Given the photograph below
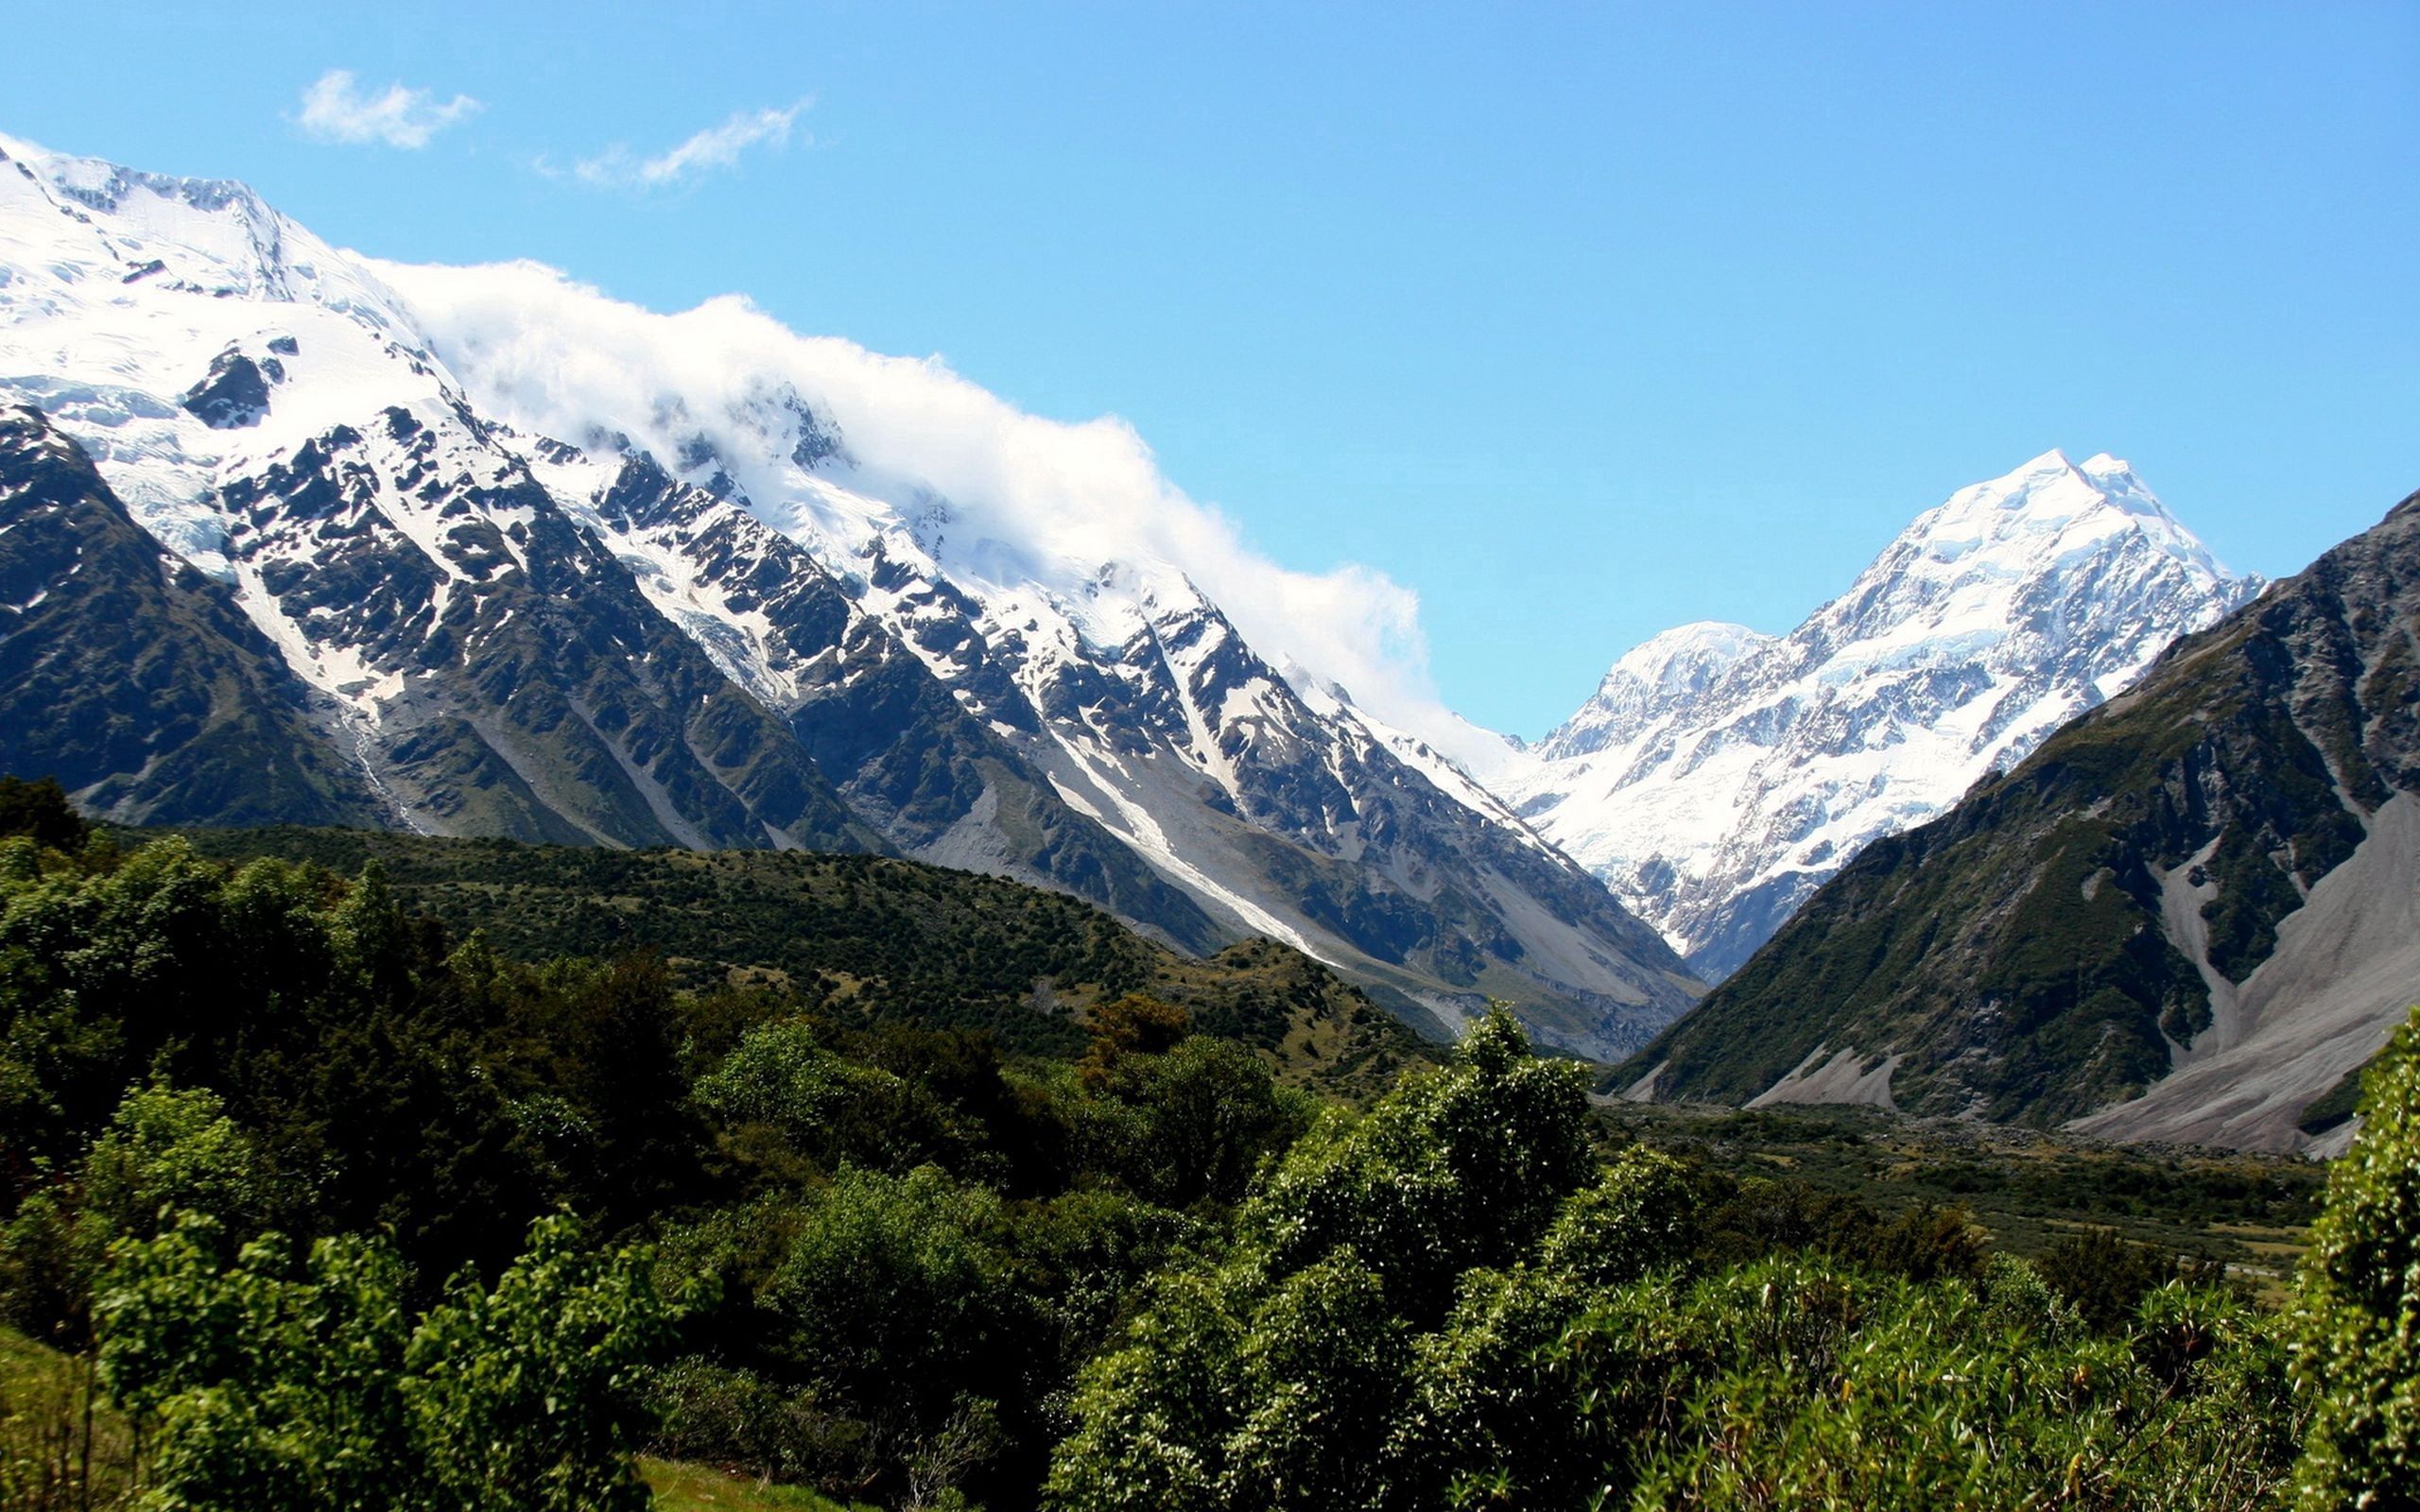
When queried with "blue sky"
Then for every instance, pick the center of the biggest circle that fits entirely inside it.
(1581, 321)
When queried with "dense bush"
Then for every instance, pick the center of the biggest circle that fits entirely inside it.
(164, 1150)
(290, 1376)
(915, 1270)
(1828, 1389)
(919, 1241)
(2360, 1347)
(1434, 1307)
(1279, 1377)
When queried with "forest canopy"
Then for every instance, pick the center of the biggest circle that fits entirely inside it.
(337, 1209)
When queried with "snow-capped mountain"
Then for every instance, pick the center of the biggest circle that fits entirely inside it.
(2192, 914)
(1720, 775)
(532, 562)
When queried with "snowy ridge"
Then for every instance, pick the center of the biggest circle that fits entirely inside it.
(128, 288)
(1117, 676)
(416, 480)
(1719, 776)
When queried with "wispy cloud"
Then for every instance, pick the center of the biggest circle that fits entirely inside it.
(716, 146)
(336, 108)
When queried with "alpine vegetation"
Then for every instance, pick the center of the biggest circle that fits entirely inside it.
(350, 1211)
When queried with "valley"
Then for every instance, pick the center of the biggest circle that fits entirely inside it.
(299, 537)
(616, 910)
(839, 757)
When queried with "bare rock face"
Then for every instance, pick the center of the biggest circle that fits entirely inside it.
(135, 680)
(235, 392)
(2187, 916)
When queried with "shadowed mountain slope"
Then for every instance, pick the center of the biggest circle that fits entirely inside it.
(2189, 916)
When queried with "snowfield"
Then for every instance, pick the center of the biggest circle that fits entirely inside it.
(1719, 775)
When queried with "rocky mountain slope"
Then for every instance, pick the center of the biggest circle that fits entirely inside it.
(1719, 776)
(128, 675)
(2190, 914)
(507, 559)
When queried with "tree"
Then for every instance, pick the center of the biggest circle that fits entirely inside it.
(1546, 1375)
(284, 1376)
(2101, 1276)
(270, 1373)
(1209, 1113)
(1463, 1167)
(889, 1294)
(165, 1148)
(616, 1036)
(526, 1399)
(1135, 1024)
(2359, 1349)
(41, 809)
(1273, 1377)
(173, 1149)
(820, 1104)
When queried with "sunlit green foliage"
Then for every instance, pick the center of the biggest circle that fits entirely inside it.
(920, 1272)
(284, 1376)
(1457, 1168)
(525, 1398)
(2360, 1348)
(1276, 1378)
(164, 1149)
(1589, 1356)
(1821, 1389)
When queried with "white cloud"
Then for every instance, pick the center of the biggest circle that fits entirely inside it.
(336, 109)
(716, 146)
(1031, 499)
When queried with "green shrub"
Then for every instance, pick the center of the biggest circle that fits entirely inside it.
(1276, 1378)
(2360, 1345)
(284, 1376)
(2101, 1276)
(1842, 1392)
(739, 1420)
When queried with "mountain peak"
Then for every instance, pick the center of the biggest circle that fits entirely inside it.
(2050, 484)
(1718, 774)
(1650, 681)
(101, 185)
(2270, 956)
(974, 635)
(1686, 654)
(2042, 516)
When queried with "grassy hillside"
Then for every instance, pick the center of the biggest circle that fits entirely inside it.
(2027, 1191)
(867, 940)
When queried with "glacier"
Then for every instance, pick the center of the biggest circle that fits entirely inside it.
(1719, 776)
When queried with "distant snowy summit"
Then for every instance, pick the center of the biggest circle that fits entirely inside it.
(1719, 775)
